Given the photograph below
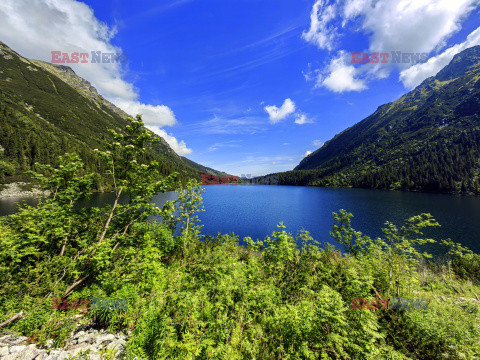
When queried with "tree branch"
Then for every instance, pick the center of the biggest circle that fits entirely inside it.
(107, 224)
(74, 285)
(13, 318)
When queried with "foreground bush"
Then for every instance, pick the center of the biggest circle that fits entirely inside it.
(201, 297)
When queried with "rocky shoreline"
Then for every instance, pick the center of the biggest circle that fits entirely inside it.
(15, 189)
(84, 344)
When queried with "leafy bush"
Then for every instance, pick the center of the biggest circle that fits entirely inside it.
(201, 297)
(6, 169)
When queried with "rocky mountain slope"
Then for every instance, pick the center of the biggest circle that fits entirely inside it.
(47, 110)
(427, 140)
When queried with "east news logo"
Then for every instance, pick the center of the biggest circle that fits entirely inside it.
(395, 304)
(208, 179)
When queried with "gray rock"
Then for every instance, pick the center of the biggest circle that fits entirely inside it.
(77, 335)
(42, 355)
(53, 355)
(89, 342)
(13, 340)
(94, 356)
(88, 338)
(104, 338)
(75, 352)
(63, 356)
(30, 353)
(17, 348)
(117, 345)
(10, 357)
(4, 337)
(3, 351)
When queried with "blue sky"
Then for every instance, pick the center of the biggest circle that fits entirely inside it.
(246, 86)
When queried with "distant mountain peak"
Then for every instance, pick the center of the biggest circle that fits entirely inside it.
(65, 68)
(460, 64)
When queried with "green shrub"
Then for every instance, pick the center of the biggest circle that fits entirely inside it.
(203, 297)
(6, 169)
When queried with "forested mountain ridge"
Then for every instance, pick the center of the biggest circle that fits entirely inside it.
(428, 140)
(47, 110)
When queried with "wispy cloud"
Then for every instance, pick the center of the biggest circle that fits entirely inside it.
(225, 144)
(229, 125)
(301, 119)
(159, 9)
(267, 41)
(271, 56)
(259, 165)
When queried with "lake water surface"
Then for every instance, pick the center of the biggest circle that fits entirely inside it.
(255, 210)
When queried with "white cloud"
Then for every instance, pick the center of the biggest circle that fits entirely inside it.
(391, 25)
(151, 114)
(301, 119)
(341, 76)
(317, 143)
(277, 114)
(418, 26)
(308, 152)
(435, 20)
(353, 8)
(36, 28)
(321, 33)
(415, 74)
(179, 147)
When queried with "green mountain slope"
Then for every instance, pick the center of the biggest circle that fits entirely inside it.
(202, 169)
(427, 140)
(47, 110)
